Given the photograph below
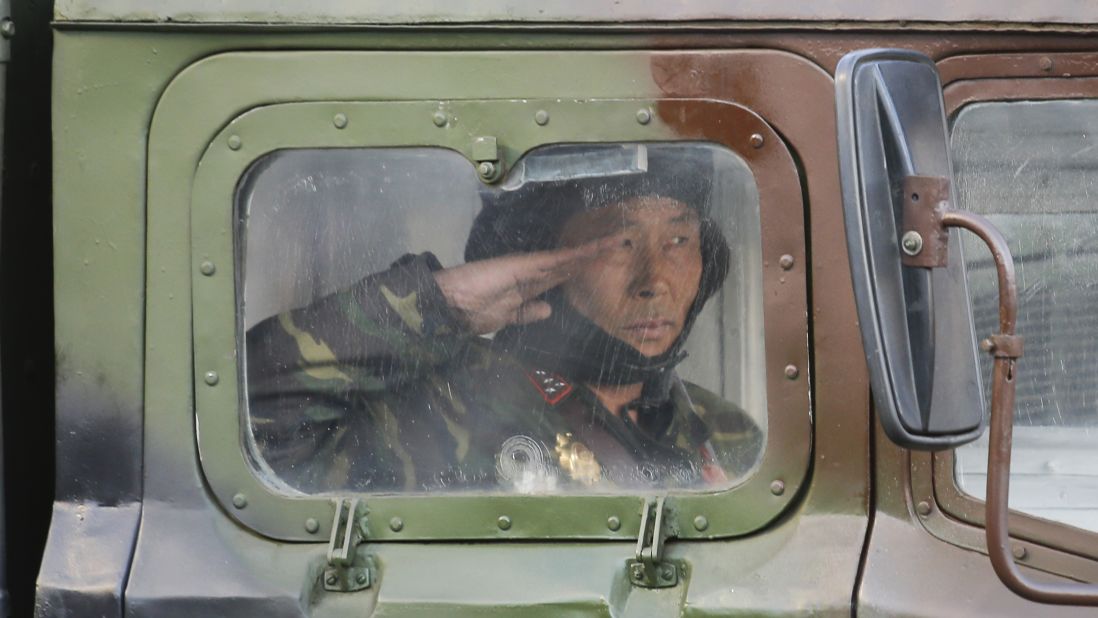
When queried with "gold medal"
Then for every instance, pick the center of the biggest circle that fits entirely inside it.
(577, 460)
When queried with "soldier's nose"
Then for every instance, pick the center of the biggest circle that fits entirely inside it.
(651, 288)
(650, 276)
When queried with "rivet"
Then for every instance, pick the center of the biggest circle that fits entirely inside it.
(439, 119)
(912, 243)
(312, 525)
(644, 116)
(1020, 552)
(786, 261)
(207, 268)
(667, 572)
(756, 140)
(777, 487)
(987, 345)
(396, 524)
(613, 523)
(240, 501)
(234, 142)
(923, 508)
(700, 523)
(486, 169)
(332, 579)
(211, 378)
(541, 117)
(339, 120)
(7, 28)
(638, 572)
(792, 372)
(361, 577)
(504, 522)
(1046, 63)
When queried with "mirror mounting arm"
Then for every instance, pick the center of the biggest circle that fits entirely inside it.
(1006, 348)
(893, 136)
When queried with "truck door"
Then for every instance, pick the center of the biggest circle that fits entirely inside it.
(319, 168)
(1018, 140)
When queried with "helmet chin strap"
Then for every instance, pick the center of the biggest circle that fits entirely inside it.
(572, 345)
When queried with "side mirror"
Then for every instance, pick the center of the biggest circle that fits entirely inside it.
(909, 284)
(913, 302)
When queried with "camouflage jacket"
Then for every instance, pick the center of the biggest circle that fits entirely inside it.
(379, 388)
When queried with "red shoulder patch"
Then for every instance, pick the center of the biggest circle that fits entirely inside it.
(553, 388)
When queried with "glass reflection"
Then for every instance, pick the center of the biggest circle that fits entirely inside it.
(1029, 166)
(547, 361)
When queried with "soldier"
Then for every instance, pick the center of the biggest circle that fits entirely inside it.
(590, 287)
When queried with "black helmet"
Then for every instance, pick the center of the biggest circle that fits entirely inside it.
(556, 182)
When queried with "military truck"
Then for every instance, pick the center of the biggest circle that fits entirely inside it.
(903, 190)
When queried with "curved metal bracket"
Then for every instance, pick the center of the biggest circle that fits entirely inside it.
(1006, 348)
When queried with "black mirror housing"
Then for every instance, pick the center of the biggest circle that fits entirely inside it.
(913, 303)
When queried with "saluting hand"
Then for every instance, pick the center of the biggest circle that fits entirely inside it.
(491, 294)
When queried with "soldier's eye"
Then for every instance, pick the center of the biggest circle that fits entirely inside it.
(680, 240)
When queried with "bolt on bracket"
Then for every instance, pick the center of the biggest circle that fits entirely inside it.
(647, 568)
(346, 573)
(924, 240)
(485, 153)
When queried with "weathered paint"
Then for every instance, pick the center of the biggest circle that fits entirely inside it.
(441, 11)
(127, 359)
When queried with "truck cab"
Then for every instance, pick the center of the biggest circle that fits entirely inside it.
(217, 168)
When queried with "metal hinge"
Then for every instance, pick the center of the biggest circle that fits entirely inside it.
(648, 568)
(344, 573)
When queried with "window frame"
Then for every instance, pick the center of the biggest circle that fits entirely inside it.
(959, 518)
(259, 131)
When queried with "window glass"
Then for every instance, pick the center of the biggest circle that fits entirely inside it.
(1032, 168)
(591, 323)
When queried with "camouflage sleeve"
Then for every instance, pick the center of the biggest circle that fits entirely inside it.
(316, 373)
(379, 334)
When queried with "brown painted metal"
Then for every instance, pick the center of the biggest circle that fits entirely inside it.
(973, 91)
(928, 472)
(1006, 352)
(797, 99)
(1002, 66)
(959, 573)
(935, 481)
(1004, 346)
(1004, 263)
(925, 201)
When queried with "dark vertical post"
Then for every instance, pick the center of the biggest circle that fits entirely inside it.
(7, 30)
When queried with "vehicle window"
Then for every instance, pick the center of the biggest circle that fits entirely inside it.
(1030, 167)
(591, 323)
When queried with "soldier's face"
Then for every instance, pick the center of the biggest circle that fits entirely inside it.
(641, 290)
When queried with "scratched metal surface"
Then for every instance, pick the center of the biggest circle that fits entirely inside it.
(446, 11)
